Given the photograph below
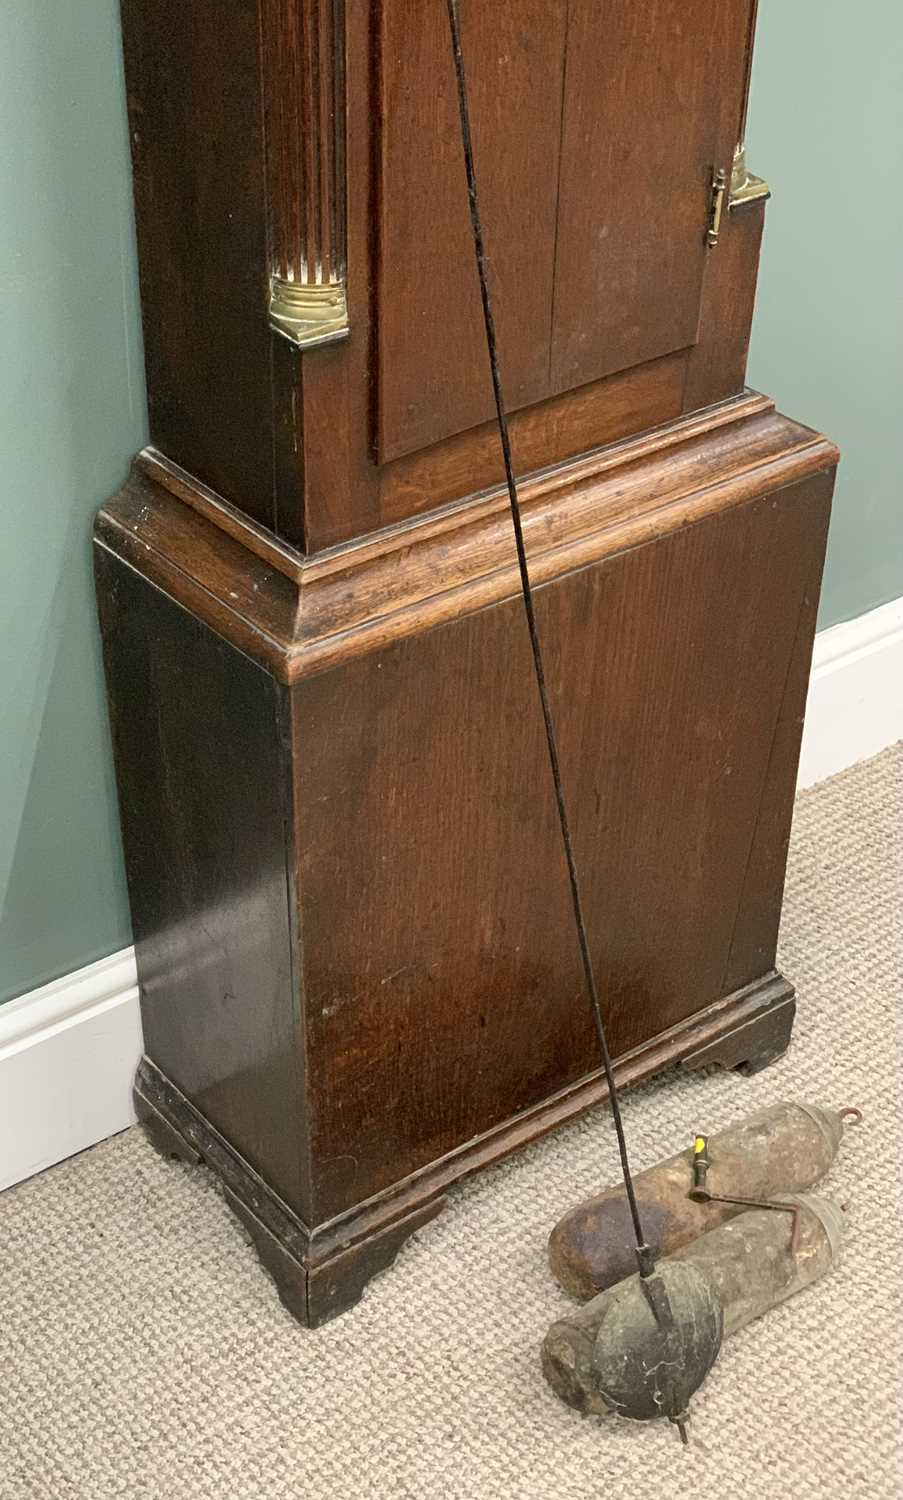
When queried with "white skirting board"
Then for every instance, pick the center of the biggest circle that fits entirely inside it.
(855, 703)
(68, 1051)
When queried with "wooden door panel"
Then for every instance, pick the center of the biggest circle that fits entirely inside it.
(644, 125)
(432, 371)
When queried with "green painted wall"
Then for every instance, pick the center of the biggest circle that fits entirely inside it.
(71, 414)
(825, 130)
(827, 108)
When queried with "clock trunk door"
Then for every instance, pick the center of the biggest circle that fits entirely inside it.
(597, 125)
(650, 112)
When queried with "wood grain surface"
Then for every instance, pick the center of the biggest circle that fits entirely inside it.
(359, 818)
(301, 617)
(595, 163)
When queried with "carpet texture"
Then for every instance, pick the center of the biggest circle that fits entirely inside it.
(143, 1352)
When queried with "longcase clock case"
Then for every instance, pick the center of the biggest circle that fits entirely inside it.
(358, 971)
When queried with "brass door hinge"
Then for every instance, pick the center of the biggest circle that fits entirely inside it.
(745, 187)
(716, 206)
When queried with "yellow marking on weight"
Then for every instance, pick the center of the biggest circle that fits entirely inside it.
(699, 1146)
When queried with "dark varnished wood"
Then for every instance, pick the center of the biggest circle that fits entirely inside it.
(320, 1274)
(163, 1133)
(717, 362)
(207, 869)
(644, 128)
(430, 387)
(358, 972)
(316, 1293)
(302, 49)
(300, 619)
(202, 238)
(595, 165)
(546, 433)
(752, 1044)
(754, 940)
(460, 963)
(351, 911)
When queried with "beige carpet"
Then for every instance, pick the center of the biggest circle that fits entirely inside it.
(144, 1353)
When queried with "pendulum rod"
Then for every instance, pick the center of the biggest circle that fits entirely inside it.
(645, 1256)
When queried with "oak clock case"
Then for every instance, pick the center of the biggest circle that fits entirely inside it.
(358, 972)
